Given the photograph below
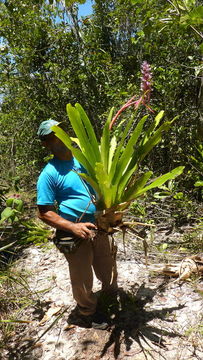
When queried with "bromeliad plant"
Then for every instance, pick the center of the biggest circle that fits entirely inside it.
(113, 163)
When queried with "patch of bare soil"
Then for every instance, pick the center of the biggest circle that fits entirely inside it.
(153, 317)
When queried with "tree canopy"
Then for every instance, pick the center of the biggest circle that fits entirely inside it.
(50, 57)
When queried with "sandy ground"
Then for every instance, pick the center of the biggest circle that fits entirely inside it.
(156, 318)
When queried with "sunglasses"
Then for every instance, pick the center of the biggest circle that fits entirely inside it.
(42, 138)
(46, 137)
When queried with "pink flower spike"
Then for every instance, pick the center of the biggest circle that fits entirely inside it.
(146, 80)
(146, 88)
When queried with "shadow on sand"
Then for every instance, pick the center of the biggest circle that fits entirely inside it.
(129, 315)
(131, 318)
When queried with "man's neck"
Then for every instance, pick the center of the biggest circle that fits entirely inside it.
(64, 156)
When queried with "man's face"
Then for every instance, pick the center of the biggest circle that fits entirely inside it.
(54, 144)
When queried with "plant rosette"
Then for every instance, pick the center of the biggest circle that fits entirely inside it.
(111, 166)
(109, 220)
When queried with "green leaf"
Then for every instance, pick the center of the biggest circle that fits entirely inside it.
(93, 183)
(125, 179)
(63, 136)
(196, 16)
(107, 190)
(112, 149)
(127, 153)
(9, 202)
(144, 149)
(162, 179)
(81, 133)
(8, 214)
(138, 186)
(75, 140)
(18, 204)
(120, 146)
(105, 141)
(90, 131)
(153, 127)
(198, 183)
(179, 195)
(161, 194)
(3, 248)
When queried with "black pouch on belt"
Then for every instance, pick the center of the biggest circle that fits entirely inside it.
(66, 242)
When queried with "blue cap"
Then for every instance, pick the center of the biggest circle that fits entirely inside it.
(45, 127)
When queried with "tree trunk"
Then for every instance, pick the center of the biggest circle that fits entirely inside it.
(200, 108)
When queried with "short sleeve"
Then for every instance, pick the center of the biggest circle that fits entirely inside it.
(46, 194)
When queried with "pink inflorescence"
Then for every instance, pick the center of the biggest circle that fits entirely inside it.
(146, 79)
(146, 89)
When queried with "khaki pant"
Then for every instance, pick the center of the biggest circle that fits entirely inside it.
(98, 254)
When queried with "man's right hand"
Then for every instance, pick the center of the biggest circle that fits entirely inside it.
(83, 230)
(49, 216)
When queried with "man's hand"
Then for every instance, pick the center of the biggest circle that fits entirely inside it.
(48, 215)
(83, 230)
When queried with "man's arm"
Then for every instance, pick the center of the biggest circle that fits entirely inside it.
(47, 214)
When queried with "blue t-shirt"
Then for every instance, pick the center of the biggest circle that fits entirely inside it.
(59, 182)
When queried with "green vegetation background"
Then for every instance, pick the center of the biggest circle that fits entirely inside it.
(50, 57)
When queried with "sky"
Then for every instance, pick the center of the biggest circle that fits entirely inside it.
(85, 9)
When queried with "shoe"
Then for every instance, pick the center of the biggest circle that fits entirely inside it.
(80, 320)
(95, 321)
(99, 321)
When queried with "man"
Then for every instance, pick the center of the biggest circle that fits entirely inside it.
(76, 234)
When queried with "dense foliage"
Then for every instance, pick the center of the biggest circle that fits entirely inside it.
(49, 58)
